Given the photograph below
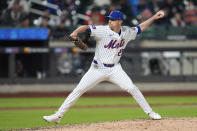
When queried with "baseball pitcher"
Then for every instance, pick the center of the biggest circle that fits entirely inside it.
(111, 41)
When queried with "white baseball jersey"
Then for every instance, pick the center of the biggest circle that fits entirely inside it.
(110, 45)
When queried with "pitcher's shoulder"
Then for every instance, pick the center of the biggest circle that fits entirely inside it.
(100, 27)
(129, 28)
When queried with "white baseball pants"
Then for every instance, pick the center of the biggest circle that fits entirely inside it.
(95, 75)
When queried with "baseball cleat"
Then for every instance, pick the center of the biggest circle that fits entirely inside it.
(154, 116)
(52, 118)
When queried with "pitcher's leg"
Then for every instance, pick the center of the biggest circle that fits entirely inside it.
(90, 79)
(120, 78)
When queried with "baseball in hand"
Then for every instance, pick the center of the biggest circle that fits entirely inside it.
(161, 13)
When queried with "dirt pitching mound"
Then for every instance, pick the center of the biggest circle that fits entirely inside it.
(166, 124)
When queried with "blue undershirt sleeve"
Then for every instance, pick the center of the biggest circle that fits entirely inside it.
(139, 29)
(88, 31)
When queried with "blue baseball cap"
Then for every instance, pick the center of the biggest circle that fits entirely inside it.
(116, 15)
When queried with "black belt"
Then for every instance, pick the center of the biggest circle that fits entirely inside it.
(106, 65)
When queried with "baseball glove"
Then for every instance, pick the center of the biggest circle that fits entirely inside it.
(78, 42)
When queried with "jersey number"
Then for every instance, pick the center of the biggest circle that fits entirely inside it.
(120, 52)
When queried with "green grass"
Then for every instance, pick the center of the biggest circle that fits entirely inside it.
(16, 119)
(86, 101)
